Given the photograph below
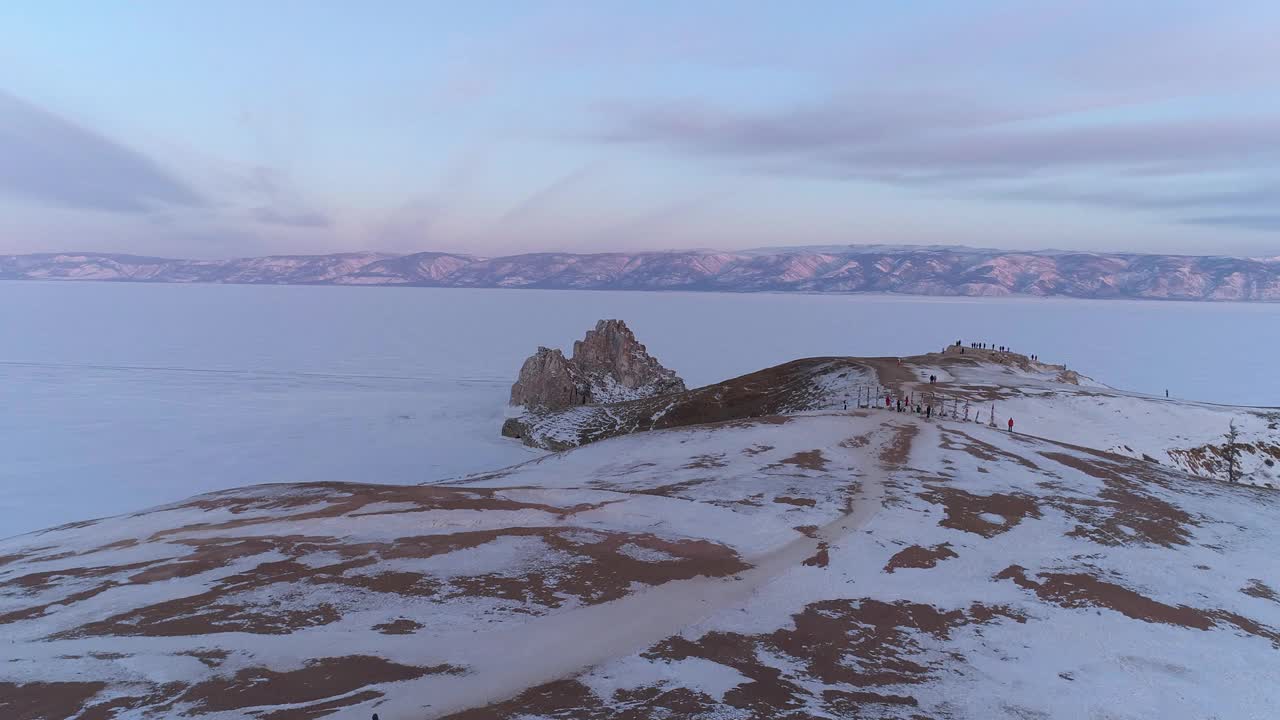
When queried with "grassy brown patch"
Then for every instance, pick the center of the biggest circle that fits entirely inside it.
(964, 510)
(919, 557)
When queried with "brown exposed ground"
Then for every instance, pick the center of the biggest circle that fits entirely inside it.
(954, 439)
(1126, 511)
(802, 502)
(808, 460)
(964, 510)
(329, 500)
(1079, 590)
(821, 558)
(919, 557)
(891, 372)
(116, 707)
(604, 573)
(898, 449)
(6, 559)
(220, 608)
(211, 657)
(1259, 589)
(46, 700)
(313, 687)
(673, 490)
(320, 679)
(596, 572)
(324, 709)
(856, 441)
(570, 699)
(863, 643)
(707, 462)
(39, 610)
(400, 626)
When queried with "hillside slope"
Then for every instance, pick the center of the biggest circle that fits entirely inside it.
(818, 565)
(809, 384)
(1044, 399)
(1051, 402)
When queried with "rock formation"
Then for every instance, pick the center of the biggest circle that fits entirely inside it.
(608, 365)
(548, 380)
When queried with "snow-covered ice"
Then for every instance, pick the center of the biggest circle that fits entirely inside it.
(120, 396)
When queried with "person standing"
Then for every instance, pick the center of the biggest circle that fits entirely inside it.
(1010, 424)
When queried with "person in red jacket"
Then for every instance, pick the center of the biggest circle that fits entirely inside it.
(1010, 424)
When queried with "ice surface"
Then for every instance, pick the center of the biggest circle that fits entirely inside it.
(114, 397)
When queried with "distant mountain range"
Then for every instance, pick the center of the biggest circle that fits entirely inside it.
(932, 270)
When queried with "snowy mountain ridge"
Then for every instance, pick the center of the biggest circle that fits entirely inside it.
(925, 270)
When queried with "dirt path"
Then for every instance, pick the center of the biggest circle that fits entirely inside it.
(890, 372)
(504, 663)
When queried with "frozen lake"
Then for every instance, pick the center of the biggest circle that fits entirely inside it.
(115, 397)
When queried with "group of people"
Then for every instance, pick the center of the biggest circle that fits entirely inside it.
(988, 346)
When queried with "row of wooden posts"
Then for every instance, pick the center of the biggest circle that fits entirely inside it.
(874, 396)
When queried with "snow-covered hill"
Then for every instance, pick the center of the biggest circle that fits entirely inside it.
(932, 270)
(1186, 435)
(810, 384)
(1044, 400)
(821, 565)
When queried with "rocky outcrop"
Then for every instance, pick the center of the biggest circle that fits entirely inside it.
(548, 380)
(797, 386)
(608, 365)
(617, 367)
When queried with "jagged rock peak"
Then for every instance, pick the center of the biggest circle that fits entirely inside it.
(611, 352)
(608, 365)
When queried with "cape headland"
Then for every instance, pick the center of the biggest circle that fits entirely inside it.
(786, 544)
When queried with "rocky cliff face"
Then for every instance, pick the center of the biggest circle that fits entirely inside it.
(548, 380)
(617, 367)
(608, 365)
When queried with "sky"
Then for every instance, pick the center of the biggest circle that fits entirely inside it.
(235, 128)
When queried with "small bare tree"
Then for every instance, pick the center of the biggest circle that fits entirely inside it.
(1232, 453)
